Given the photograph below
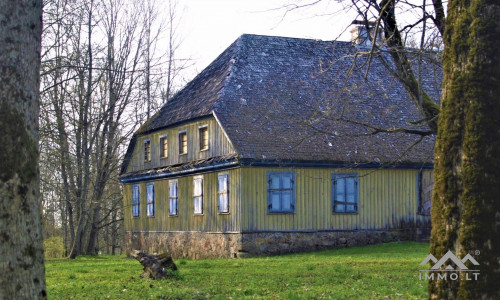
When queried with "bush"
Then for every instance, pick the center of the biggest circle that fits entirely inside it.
(54, 247)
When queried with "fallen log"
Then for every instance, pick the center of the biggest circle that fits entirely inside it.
(156, 266)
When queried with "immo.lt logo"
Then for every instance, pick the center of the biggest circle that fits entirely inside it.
(449, 272)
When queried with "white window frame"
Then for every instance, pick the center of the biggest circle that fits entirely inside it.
(150, 199)
(223, 194)
(136, 201)
(198, 195)
(173, 198)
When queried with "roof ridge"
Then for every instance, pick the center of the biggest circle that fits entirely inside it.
(237, 44)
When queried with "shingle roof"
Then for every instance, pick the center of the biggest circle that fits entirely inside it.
(295, 99)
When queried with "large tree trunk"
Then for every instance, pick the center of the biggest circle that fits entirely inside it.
(21, 249)
(466, 207)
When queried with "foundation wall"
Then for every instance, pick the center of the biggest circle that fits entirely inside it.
(199, 245)
(186, 244)
(272, 243)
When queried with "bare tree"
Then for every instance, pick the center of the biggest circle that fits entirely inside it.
(95, 55)
(384, 33)
(21, 248)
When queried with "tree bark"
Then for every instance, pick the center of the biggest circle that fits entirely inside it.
(466, 209)
(21, 248)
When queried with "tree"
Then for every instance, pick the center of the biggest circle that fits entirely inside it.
(95, 56)
(408, 43)
(21, 250)
(466, 208)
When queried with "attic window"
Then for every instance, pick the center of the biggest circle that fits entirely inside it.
(163, 146)
(147, 150)
(183, 145)
(203, 135)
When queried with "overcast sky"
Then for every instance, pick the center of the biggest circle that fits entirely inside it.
(207, 27)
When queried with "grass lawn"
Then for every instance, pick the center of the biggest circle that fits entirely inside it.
(370, 272)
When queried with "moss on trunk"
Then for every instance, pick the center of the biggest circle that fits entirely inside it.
(467, 157)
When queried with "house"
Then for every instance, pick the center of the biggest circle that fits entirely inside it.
(271, 149)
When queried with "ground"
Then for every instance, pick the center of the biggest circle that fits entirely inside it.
(388, 271)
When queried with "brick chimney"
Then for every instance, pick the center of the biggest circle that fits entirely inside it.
(359, 34)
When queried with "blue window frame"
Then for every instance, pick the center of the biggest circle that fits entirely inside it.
(136, 201)
(280, 192)
(150, 199)
(345, 192)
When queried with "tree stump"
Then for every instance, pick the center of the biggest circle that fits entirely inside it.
(156, 266)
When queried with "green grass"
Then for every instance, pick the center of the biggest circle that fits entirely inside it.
(370, 272)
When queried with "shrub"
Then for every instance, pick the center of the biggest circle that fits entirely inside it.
(54, 247)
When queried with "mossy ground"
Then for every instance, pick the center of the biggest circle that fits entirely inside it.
(370, 272)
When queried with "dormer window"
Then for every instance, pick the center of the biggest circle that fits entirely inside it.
(203, 135)
(147, 150)
(183, 142)
(164, 147)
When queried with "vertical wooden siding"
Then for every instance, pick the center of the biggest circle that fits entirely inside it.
(387, 199)
(210, 221)
(218, 145)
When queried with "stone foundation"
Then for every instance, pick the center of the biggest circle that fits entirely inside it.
(231, 245)
(272, 243)
(187, 244)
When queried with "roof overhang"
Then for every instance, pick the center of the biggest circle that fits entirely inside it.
(230, 162)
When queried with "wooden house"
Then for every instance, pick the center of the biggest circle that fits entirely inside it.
(273, 149)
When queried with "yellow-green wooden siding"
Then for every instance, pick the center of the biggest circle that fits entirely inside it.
(218, 145)
(386, 199)
(186, 220)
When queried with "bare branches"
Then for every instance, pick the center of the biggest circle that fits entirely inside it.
(93, 65)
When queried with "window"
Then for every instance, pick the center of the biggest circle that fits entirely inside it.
(163, 147)
(150, 199)
(198, 195)
(424, 192)
(172, 198)
(345, 192)
(183, 142)
(280, 192)
(223, 193)
(136, 201)
(203, 135)
(147, 150)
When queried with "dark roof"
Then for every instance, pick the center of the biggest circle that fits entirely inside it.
(295, 99)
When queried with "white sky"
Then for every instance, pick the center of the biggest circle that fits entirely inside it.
(207, 27)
